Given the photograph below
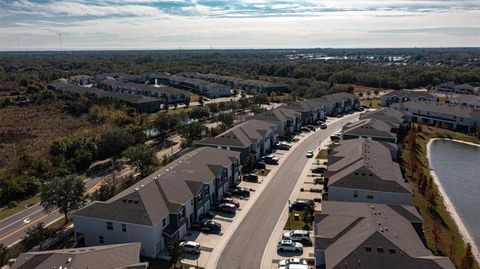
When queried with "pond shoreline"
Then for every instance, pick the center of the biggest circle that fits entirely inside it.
(448, 203)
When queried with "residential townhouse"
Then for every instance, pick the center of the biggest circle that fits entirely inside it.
(446, 115)
(471, 101)
(161, 206)
(339, 103)
(365, 235)
(163, 92)
(255, 85)
(311, 110)
(81, 80)
(401, 96)
(370, 128)
(362, 170)
(252, 139)
(142, 104)
(126, 256)
(288, 121)
(201, 87)
(465, 89)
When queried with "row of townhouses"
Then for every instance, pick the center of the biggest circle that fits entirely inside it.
(367, 220)
(464, 88)
(141, 103)
(165, 204)
(402, 96)
(249, 85)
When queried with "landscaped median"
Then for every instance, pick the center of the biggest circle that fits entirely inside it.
(442, 234)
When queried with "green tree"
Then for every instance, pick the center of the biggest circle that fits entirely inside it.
(176, 252)
(260, 99)
(201, 100)
(164, 123)
(113, 142)
(199, 113)
(308, 216)
(187, 101)
(3, 254)
(226, 118)
(64, 193)
(143, 158)
(190, 133)
(35, 235)
(104, 193)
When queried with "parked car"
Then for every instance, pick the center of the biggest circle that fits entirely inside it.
(291, 261)
(319, 169)
(242, 192)
(191, 247)
(261, 165)
(283, 145)
(208, 226)
(309, 154)
(232, 201)
(297, 236)
(289, 245)
(311, 127)
(271, 159)
(294, 266)
(227, 208)
(299, 205)
(323, 126)
(250, 177)
(319, 180)
(305, 129)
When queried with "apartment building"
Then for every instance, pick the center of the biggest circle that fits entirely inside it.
(366, 235)
(401, 96)
(161, 206)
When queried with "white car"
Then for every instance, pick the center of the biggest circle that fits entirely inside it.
(291, 261)
(310, 154)
(191, 247)
(294, 266)
(289, 245)
(297, 236)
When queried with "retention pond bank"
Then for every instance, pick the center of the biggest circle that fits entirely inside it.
(456, 171)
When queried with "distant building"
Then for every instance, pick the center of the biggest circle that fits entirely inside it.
(201, 87)
(370, 128)
(125, 256)
(82, 80)
(362, 170)
(446, 86)
(465, 100)
(362, 235)
(252, 138)
(465, 89)
(173, 95)
(401, 96)
(162, 206)
(446, 115)
(142, 104)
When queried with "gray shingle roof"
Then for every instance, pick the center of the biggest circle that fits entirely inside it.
(354, 157)
(370, 127)
(165, 191)
(345, 229)
(411, 94)
(100, 257)
(436, 107)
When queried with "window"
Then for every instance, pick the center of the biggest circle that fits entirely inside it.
(100, 240)
(355, 194)
(124, 227)
(380, 250)
(368, 249)
(392, 251)
(369, 196)
(164, 222)
(109, 225)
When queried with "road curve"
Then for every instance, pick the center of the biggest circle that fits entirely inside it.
(246, 246)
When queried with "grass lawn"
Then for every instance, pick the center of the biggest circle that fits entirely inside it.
(372, 103)
(293, 224)
(323, 154)
(438, 216)
(177, 110)
(20, 206)
(259, 172)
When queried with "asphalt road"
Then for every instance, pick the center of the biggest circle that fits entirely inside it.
(13, 228)
(246, 246)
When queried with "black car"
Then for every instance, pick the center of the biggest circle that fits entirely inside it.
(320, 169)
(261, 165)
(311, 127)
(250, 177)
(305, 129)
(241, 192)
(299, 205)
(323, 126)
(210, 226)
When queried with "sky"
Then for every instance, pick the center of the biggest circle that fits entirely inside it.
(231, 24)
